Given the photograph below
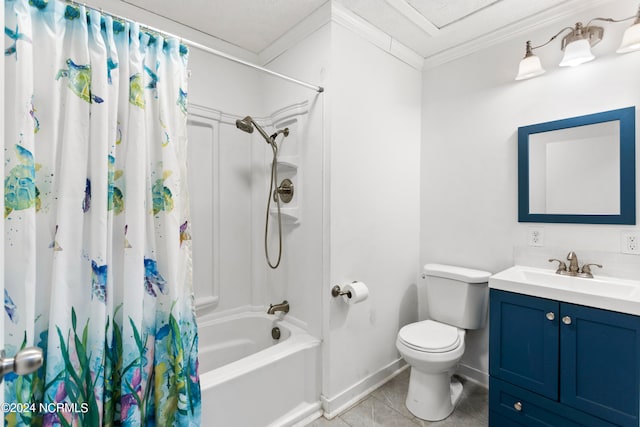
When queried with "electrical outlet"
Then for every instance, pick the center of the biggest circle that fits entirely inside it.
(535, 236)
(630, 243)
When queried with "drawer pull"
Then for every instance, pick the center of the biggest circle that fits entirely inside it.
(517, 406)
(566, 320)
(551, 315)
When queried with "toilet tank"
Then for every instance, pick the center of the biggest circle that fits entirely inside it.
(457, 296)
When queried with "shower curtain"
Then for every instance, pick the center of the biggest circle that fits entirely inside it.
(96, 221)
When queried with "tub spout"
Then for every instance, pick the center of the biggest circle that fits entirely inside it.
(284, 307)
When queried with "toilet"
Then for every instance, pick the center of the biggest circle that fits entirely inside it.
(456, 299)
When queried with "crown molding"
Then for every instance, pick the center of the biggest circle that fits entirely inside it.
(333, 11)
(343, 16)
(309, 25)
(547, 17)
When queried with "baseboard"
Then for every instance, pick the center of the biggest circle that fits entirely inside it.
(473, 374)
(310, 418)
(300, 416)
(335, 405)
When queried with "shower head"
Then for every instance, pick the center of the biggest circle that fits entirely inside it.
(245, 124)
(248, 124)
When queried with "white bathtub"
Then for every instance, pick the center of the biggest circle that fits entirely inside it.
(249, 379)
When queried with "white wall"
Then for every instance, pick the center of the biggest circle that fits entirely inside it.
(472, 108)
(373, 200)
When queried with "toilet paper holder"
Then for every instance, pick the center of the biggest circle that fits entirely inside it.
(336, 292)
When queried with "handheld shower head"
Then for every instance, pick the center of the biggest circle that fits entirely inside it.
(245, 124)
(248, 125)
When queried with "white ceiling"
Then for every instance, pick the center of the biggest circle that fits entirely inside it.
(442, 13)
(249, 24)
(428, 27)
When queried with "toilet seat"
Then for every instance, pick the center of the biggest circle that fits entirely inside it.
(430, 336)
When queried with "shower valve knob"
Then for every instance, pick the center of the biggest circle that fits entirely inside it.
(284, 192)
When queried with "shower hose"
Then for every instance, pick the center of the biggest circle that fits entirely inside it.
(276, 197)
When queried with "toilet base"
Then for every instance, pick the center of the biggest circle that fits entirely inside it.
(432, 397)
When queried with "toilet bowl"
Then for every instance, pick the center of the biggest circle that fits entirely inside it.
(457, 299)
(433, 350)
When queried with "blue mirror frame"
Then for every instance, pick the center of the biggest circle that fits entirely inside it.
(627, 216)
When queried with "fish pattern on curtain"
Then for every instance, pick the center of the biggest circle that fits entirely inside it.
(96, 220)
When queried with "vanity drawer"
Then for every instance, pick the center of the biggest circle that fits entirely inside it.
(525, 408)
(498, 420)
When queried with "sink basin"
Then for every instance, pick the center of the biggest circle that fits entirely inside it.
(600, 291)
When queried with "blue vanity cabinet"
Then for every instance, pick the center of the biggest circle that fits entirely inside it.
(524, 341)
(551, 359)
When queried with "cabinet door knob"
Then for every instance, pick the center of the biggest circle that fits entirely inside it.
(551, 315)
(566, 320)
(517, 406)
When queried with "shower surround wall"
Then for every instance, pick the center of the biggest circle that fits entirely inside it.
(300, 275)
(472, 109)
(222, 254)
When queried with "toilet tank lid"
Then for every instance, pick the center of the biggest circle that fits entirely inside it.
(457, 273)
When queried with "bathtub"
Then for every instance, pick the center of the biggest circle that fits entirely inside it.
(249, 379)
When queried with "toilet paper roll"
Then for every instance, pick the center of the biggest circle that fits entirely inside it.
(359, 292)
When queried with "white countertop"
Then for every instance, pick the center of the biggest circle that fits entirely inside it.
(604, 292)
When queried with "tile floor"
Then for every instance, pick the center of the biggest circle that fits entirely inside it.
(385, 408)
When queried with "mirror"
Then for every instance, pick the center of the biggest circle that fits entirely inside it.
(578, 170)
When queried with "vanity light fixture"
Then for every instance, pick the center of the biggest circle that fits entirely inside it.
(530, 65)
(577, 45)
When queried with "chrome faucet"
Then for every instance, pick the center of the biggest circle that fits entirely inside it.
(283, 307)
(574, 268)
(573, 263)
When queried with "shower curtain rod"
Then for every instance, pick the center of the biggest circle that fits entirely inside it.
(207, 49)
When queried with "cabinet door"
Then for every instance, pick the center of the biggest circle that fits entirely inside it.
(600, 359)
(523, 341)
